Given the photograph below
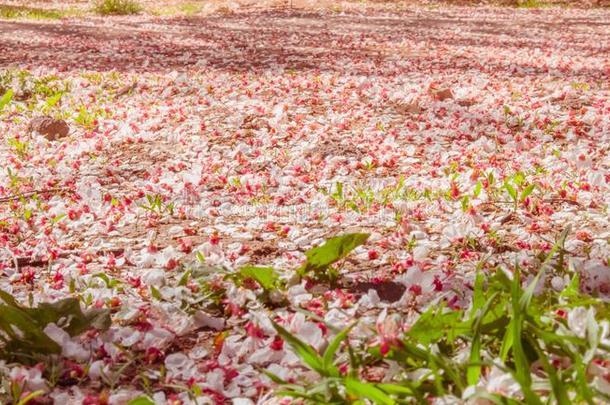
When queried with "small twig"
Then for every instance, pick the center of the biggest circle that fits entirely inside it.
(31, 193)
(19, 262)
(565, 200)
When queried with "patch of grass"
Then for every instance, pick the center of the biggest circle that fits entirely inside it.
(532, 4)
(117, 7)
(508, 333)
(16, 12)
(188, 9)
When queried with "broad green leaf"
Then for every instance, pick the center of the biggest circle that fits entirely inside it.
(68, 315)
(334, 249)
(25, 337)
(266, 277)
(23, 327)
(368, 391)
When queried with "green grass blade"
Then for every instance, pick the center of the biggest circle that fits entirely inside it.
(473, 372)
(332, 250)
(329, 353)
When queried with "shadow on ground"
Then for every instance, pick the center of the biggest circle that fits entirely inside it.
(444, 40)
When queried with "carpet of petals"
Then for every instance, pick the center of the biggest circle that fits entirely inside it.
(202, 144)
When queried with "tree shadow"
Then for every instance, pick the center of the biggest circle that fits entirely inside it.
(280, 40)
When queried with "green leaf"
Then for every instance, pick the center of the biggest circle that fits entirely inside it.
(395, 389)
(465, 203)
(143, 400)
(57, 218)
(582, 382)
(334, 249)
(511, 191)
(24, 327)
(266, 277)
(53, 100)
(104, 277)
(368, 391)
(522, 373)
(518, 178)
(23, 336)
(507, 341)
(526, 192)
(185, 278)
(572, 290)
(477, 189)
(67, 314)
(478, 295)
(6, 98)
(474, 370)
(155, 293)
(491, 179)
(306, 352)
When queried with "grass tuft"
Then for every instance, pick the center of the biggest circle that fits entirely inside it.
(117, 7)
(531, 4)
(17, 12)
